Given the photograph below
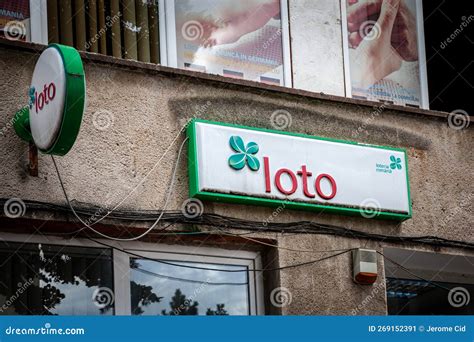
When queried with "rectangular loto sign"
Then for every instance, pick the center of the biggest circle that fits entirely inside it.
(262, 167)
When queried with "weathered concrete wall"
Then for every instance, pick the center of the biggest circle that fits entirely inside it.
(146, 111)
(318, 63)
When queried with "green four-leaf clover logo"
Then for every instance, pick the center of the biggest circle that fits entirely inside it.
(396, 163)
(244, 155)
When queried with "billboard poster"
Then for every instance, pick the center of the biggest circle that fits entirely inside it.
(238, 39)
(383, 40)
(15, 19)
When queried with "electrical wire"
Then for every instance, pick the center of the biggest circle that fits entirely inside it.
(220, 270)
(281, 247)
(173, 178)
(225, 222)
(140, 183)
(141, 270)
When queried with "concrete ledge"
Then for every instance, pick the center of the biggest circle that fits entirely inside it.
(228, 82)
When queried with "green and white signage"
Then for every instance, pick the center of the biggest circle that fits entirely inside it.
(57, 97)
(263, 167)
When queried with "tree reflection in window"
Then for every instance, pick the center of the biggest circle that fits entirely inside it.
(176, 290)
(38, 279)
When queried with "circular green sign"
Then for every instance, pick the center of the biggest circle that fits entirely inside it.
(57, 99)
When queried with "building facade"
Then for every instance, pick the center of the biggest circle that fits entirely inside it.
(155, 250)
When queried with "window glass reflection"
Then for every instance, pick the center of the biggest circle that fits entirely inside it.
(38, 279)
(163, 289)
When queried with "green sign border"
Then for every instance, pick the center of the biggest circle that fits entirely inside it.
(193, 172)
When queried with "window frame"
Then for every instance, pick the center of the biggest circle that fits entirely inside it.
(121, 263)
(168, 51)
(38, 22)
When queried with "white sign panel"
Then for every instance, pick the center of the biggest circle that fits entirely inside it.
(254, 166)
(48, 92)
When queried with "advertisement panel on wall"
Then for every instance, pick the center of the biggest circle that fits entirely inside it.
(384, 49)
(238, 39)
(256, 166)
(15, 19)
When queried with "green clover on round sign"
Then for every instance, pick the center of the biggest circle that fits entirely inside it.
(245, 155)
(396, 163)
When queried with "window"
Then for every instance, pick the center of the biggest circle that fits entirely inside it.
(43, 279)
(54, 276)
(192, 286)
(383, 63)
(119, 28)
(443, 285)
(248, 40)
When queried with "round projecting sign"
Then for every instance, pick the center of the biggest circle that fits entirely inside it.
(57, 98)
